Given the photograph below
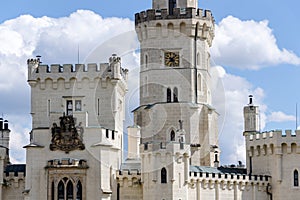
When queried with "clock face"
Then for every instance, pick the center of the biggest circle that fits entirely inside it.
(172, 59)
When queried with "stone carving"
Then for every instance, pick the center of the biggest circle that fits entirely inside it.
(67, 137)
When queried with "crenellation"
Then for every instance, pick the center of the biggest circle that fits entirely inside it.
(39, 73)
(178, 13)
(209, 180)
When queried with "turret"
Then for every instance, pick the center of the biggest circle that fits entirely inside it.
(251, 118)
(4, 131)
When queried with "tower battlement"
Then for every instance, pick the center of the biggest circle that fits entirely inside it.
(179, 13)
(228, 181)
(276, 137)
(91, 71)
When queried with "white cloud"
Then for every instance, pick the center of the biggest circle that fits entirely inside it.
(57, 41)
(230, 106)
(248, 44)
(280, 117)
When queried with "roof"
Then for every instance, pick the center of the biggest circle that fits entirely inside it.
(219, 170)
(15, 169)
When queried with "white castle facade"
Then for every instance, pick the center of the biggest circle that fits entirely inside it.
(76, 144)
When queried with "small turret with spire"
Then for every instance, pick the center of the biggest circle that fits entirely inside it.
(251, 118)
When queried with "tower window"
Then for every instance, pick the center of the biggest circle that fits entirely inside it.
(146, 61)
(296, 178)
(172, 5)
(172, 135)
(169, 95)
(175, 95)
(163, 175)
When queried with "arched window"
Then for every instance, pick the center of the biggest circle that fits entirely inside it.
(163, 175)
(198, 59)
(175, 95)
(158, 29)
(183, 28)
(172, 136)
(169, 95)
(199, 87)
(70, 191)
(67, 190)
(145, 32)
(79, 191)
(61, 191)
(52, 191)
(170, 29)
(296, 178)
(146, 61)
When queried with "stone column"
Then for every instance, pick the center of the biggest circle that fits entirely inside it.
(198, 192)
(186, 168)
(253, 192)
(217, 190)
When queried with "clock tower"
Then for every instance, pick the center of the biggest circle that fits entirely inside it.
(175, 113)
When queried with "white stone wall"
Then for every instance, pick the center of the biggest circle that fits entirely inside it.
(276, 154)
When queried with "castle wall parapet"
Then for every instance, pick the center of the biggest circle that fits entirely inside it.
(209, 180)
(132, 177)
(179, 13)
(277, 138)
(78, 72)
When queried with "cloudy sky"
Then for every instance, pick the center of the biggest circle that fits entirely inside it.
(256, 51)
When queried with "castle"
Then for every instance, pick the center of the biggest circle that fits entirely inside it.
(77, 139)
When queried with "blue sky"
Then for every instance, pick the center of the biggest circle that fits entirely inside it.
(262, 56)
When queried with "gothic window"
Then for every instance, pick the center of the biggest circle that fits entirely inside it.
(296, 178)
(199, 83)
(163, 175)
(70, 190)
(172, 136)
(172, 5)
(79, 191)
(61, 191)
(175, 95)
(52, 191)
(67, 190)
(169, 95)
